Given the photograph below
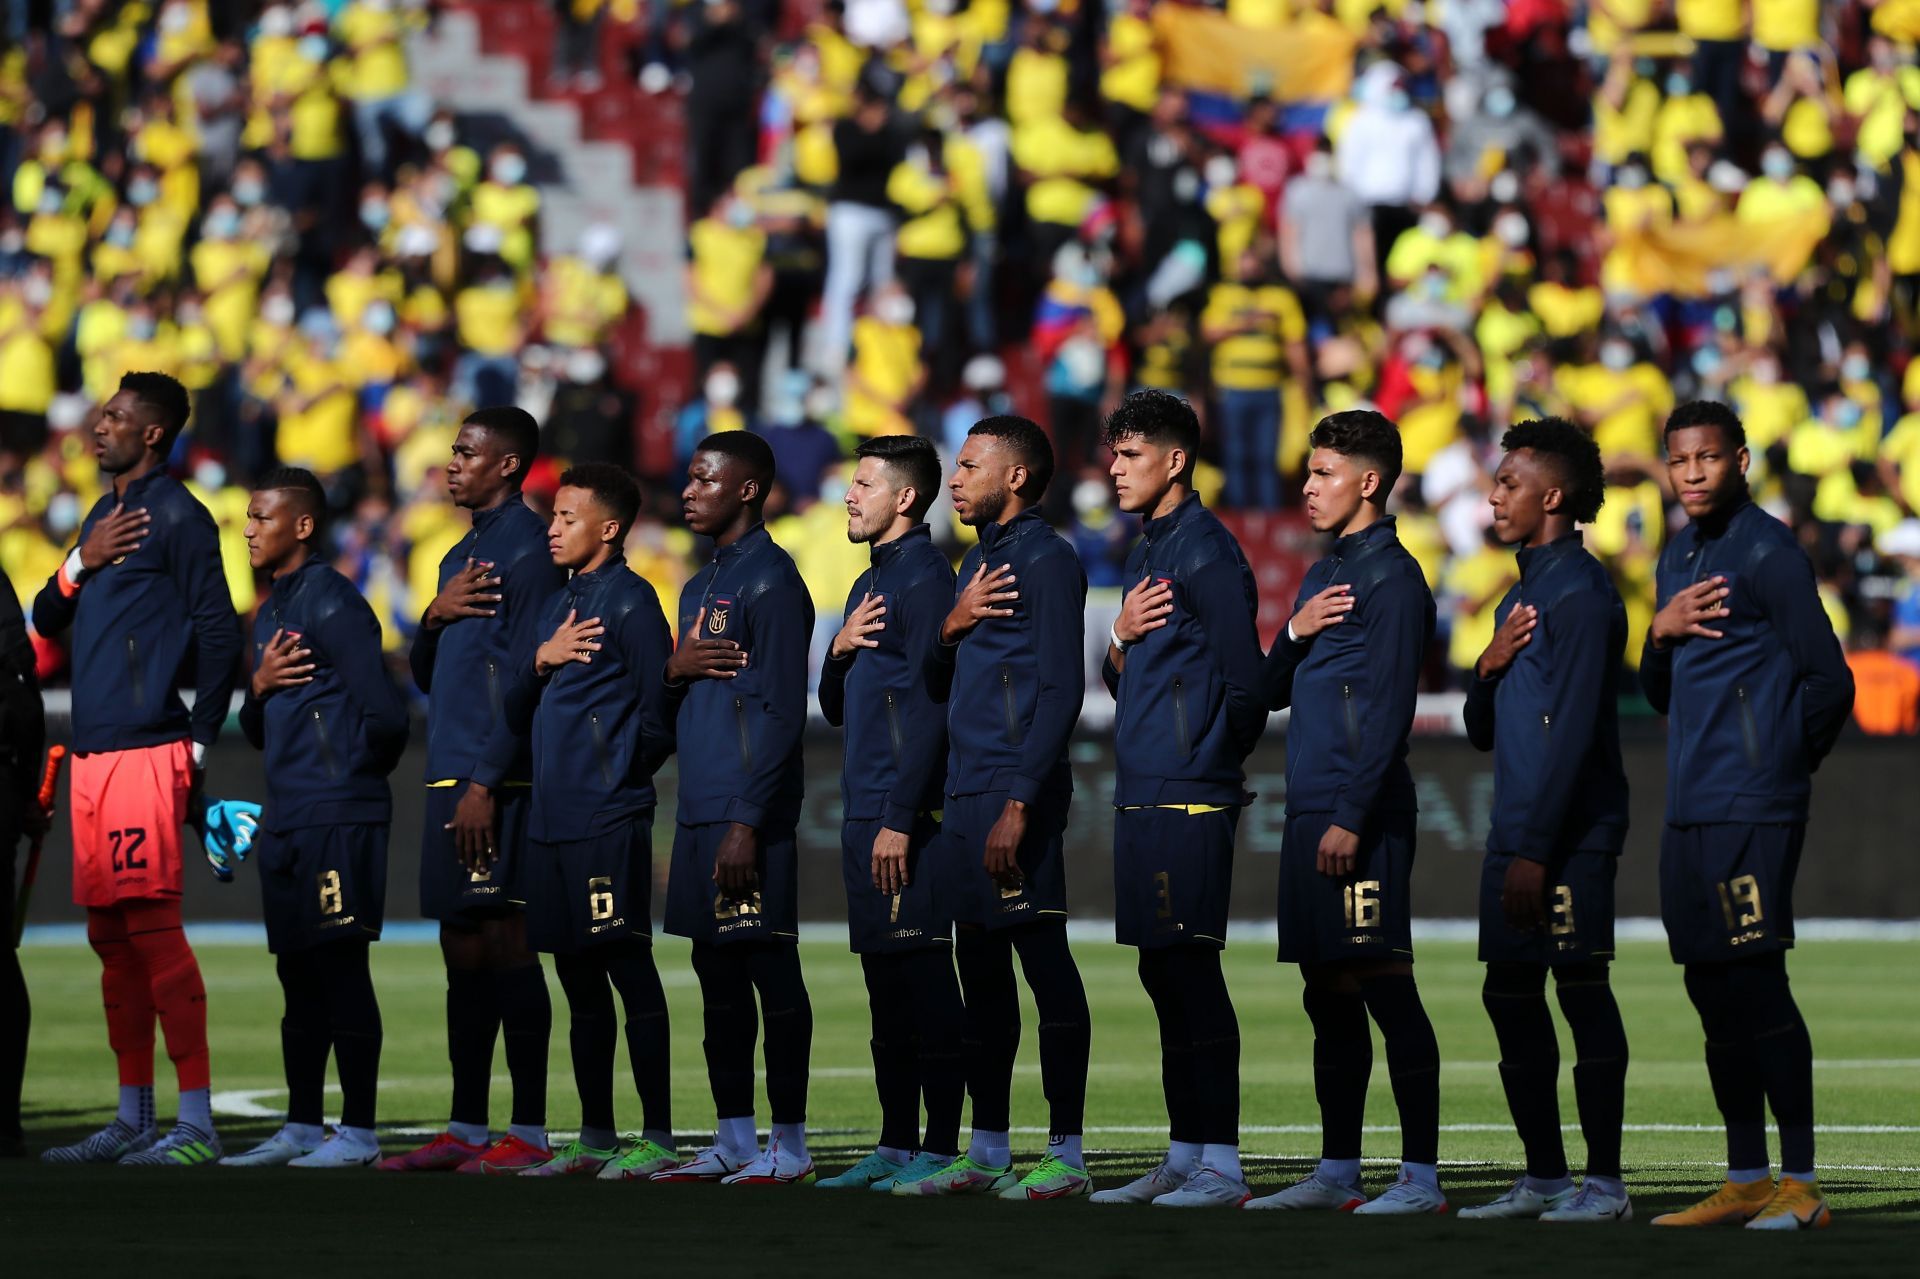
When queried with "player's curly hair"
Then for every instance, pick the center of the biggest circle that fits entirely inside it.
(617, 492)
(1575, 458)
(1365, 434)
(1161, 418)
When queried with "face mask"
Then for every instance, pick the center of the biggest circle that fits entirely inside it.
(1433, 358)
(940, 7)
(1437, 225)
(723, 389)
(1319, 165)
(1630, 178)
(1840, 195)
(221, 224)
(1766, 374)
(314, 48)
(833, 491)
(585, 367)
(439, 135)
(1505, 188)
(1221, 173)
(249, 194)
(189, 316)
(210, 475)
(740, 215)
(174, 19)
(277, 310)
(51, 201)
(142, 192)
(374, 214)
(1186, 186)
(1089, 496)
(53, 146)
(1855, 368)
(12, 242)
(276, 22)
(1512, 229)
(37, 290)
(1706, 361)
(140, 327)
(508, 170)
(1433, 287)
(818, 406)
(1617, 356)
(1399, 101)
(120, 235)
(1847, 415)
(894, 309)
(1777, 165)
(1500, 102)
(63, 515)
(378, 319)
(1678, 86)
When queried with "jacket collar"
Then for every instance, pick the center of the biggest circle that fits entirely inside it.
(747, 541)
(483, 520)
(580, 583)
(1537, 559)
(884, 552)
(993, 536)
(1165, 524)
(142, 484)
(1708, 529)
(1375, 535)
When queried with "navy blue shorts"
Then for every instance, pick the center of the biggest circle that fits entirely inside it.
(587, 892)
(448, 890)
(885, 923)
(1579, 913)
(1367, 915)
(974, 896)
(1172, 876)
(1726, 889)
(322, 883)
(696, 907)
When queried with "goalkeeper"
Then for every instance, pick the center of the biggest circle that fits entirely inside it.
(147, 606)
(324, 709)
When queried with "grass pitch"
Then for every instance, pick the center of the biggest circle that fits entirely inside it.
(1860, 997)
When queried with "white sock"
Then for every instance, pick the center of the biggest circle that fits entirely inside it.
(472, 1134)
(990, 1149)
(792, 1139)
(1744, 1175)
(893, 1153)
(196, 1109)
(738, 1136)
(305, 1136)
(1183, 1156)
(1341, 1172)
(1067, 1150)
(1224, 1160)
(136, 1106)
(1549, 1186)
(1798, 1176)
(1612, 1186)
(534, 1135)
(1427, 1175)
(361, 1137)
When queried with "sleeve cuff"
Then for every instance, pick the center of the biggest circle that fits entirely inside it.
(746, 813)
(199, 750)
(488, 774)
(899, 817)
(1350, 817)
(944, 652)
(1291, 637)
(1024, 789)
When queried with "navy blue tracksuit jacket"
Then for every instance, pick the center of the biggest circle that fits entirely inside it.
(330, 743)
(1353, 686)
(1752, 714)
(1189, 707)
(1014, 685)
(739, 739)
(463, 667)
(146, 623)
(1552, 718)
(896, 732)
(600, 728)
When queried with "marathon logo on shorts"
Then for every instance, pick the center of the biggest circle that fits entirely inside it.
(607, 927)
(906, 934)
(719, 614)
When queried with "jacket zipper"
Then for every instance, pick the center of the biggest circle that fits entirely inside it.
(740, 718)
(1353, 725)
(600, 749)
(134, 673)
(893, 728)
(1180, 716)
(327, 756)
(1749, 735)
(1006, 698)
(493, 690)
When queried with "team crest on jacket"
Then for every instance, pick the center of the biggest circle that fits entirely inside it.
(717, 616)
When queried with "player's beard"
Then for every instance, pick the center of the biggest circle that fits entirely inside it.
(989, 507)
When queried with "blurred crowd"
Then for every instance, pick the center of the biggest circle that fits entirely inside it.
(903, 214)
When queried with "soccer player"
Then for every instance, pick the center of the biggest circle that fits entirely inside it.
(332, 724)
(737, 684)
(492, 584)
(875, 683)
(1008, 665)
(1348, 663)
(592, 696)
(23, 739)
(147, 602)
(1743, 662)
(1543, 701)
(1183, 663)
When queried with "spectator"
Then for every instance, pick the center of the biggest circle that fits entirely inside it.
(725, 73)
(1387, 154)
(1326, 236)
(860, 222)
(888, 371)
(379, 82)
(728, 284)
(1258, 334)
